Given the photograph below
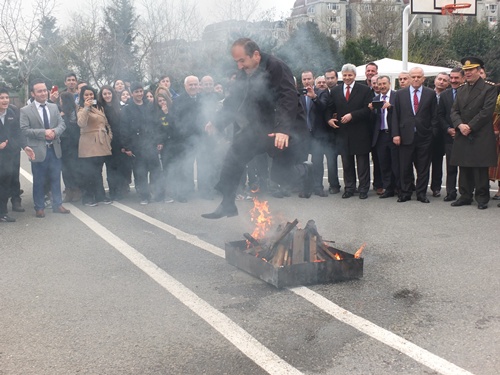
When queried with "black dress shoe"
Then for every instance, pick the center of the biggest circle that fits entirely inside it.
(459, 203)
(222, 211)
(387, 194)
(423, 199)
(321, 193)
(347, 194)
(496, 197)
(16, 207)
(363, 195)
(403, 198)
(436, 193)
(482, 206)
(450, 197)
(334, 190)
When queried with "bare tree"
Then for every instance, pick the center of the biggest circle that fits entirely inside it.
(20, 36)
(380, 21)
(240, 10)
(165, 41)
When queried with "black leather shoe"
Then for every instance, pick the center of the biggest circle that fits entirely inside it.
(334, 190)
(386, 194)
(403, 198)
(307, 187)
(363, 195)
(436, 193)
(482, 206)
(496, 197)
(423, 199)
(459, 203)
(347, 194)
(222, 211)
(450, 198)
(321, 193)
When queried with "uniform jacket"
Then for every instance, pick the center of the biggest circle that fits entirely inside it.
(34, 130)
(377, 116)
(474, 105)
(404, 122)
(11, 131)
(355, 137)
(95, 133)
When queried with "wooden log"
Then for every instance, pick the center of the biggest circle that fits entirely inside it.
(312, 248)
(251, 239)
(298, 246)
(279, 257)
(278, 238)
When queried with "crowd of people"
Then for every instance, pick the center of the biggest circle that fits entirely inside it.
(254, 133)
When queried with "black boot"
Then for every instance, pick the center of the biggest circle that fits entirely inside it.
(16, 205)
(228, 210)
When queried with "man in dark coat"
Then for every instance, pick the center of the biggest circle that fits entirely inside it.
(444, 110)
(11, 141)
(348, 112)
(414, 119)
(264, 108)
(474, 147)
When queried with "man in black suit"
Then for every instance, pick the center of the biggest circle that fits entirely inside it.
(332, 157)
(349, 113)
(414, 119)
(446, 100)
(314, 102)
(382, 143)
(441, 83)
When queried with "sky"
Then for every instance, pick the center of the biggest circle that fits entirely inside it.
(66, 7)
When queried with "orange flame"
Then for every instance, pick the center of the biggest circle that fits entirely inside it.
(262, 218)
(337, 256)
(357, 254)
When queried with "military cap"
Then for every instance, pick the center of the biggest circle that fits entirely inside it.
(471, 63)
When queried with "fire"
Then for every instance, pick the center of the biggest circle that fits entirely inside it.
(357, 254)
(337, 256)
(262, 218)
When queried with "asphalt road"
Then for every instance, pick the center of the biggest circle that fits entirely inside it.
(130, 289)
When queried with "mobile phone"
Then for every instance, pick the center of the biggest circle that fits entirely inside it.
(304, 91)
(54, 89)
(94, 102)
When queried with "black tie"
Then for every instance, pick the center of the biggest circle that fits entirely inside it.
(45, 116)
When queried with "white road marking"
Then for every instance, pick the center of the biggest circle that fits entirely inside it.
(404, 346)
(240, 338)
(419, 354)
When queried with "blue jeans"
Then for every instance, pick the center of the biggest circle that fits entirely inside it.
(49, 169)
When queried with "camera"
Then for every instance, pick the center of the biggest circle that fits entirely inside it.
(304, 91)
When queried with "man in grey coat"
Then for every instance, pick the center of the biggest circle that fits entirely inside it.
(42, 125)
(474, 145)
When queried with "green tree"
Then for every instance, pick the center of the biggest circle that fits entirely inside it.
(362, 50)
(119, 55)
(309, 49)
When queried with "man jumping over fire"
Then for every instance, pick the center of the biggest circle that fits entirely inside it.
(263, 106)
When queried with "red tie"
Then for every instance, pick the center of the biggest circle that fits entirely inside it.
(415, 102)
(347, 92)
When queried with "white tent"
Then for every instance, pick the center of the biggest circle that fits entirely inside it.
(392, 68)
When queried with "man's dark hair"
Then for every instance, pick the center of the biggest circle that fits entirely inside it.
(36, 82)
(308, 71)
(458, 70)
(372, 63)
(332, 70)
(248, 45)
(70, 74)
(4, 90)
(163, 77)
(384, 76)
